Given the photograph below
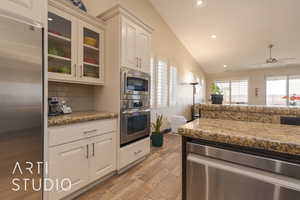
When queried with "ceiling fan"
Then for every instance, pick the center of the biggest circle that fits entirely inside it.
(272, 60)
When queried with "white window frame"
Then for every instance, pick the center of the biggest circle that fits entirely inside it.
(237, 79)
(287, 86)
(154, 97)
(172, 91)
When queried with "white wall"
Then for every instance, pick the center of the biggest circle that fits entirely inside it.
(256, 80)
(164, 44)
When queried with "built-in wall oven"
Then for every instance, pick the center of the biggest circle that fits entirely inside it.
(135, 125)
(135, 106)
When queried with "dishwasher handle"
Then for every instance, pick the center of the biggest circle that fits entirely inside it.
(263, 176)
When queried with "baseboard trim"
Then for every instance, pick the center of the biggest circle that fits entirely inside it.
(125, 169)
(89, 187)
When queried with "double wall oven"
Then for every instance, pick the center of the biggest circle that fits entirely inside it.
(135, 106)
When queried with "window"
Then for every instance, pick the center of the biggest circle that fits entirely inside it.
(234, 91)
(162, 84)
(225, 88)
(276, 90)
(294, 90)
(283, 90)
(239, 92)
(153, 85)
(199, 90)
(173, 86)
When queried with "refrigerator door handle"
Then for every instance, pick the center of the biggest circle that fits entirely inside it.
(20, 18)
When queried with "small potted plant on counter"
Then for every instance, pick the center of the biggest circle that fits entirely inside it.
(216, 94)
(157, 137)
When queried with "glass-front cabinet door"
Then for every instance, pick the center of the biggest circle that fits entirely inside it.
(90, 53)
(61, 55)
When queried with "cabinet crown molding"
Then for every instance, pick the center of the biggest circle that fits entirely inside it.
(69, 8)
(121, 10)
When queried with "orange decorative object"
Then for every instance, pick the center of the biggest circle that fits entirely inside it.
(293, 98)
(90, 41)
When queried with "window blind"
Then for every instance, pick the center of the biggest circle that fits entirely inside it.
(294, 90)
(153, 86)
(225, 89)
(276, 90)
(239, 91)
(162, 84)
(173, 86)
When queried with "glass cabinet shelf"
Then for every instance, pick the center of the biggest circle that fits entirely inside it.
(91, 47)
(59, 57)
(52, 35)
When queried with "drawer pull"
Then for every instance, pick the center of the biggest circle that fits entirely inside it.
(93, 149)
(87, 151)
(138, 152)
(91, 131)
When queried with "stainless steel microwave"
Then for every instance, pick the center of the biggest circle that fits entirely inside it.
(134, 82)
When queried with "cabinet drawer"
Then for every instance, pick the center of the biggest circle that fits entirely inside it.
(133, 152)
(69, 133)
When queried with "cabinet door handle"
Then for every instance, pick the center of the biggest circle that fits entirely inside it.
(87, 151)
(81, 69)
(93, 149)
(140, 62)
(91, 131)
(138, 152)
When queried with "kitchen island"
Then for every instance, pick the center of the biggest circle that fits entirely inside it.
(240, 160)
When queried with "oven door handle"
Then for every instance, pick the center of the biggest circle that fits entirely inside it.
(136, 111)
(125, 82)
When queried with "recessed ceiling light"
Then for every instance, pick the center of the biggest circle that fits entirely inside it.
(225, 66)
(213, 36)
(50, 19)
(199, 2)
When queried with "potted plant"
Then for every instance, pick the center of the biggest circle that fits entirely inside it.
(157, 136)
(216, 94)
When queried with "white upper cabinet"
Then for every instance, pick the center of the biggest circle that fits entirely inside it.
(75, 45)
(90, 55)
(130, 37)
(136, 46)
(62, 52)
(144, 46)
(31, 9)
(129, 44)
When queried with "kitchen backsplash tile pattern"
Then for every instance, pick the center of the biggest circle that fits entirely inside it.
(79, 97)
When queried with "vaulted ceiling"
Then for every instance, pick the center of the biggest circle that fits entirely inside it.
(243, 30)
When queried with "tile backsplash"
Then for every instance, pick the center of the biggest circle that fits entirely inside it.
(79, 97)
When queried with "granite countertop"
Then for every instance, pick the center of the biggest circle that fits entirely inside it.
(79, 117)
(271, 137)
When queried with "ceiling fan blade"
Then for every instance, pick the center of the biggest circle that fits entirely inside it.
(283, 59)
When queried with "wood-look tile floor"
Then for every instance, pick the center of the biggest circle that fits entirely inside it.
(156, 178)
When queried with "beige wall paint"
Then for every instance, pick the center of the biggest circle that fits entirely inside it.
(256, 80)
(164, 44)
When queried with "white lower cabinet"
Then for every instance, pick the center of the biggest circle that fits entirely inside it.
(85, 160)
(103, 156)
(68, 162)
(133, 152)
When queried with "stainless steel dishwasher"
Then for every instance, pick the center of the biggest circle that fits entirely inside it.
(218, 174)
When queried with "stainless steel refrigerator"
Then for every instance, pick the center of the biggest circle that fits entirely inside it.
(21, 108)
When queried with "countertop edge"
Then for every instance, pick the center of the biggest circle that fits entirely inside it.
(69, 119)
(250, 142)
